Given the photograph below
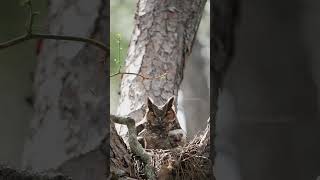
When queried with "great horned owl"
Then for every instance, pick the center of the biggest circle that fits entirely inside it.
(160, 128)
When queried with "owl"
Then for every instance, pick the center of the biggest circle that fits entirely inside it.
(160, 128)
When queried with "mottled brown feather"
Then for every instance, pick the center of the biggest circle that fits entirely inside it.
(158, 123)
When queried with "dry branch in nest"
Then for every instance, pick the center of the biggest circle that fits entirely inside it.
(188, 162)
(135, 146)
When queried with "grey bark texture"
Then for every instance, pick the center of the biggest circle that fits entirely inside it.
(161, 42)
(70, 87)
(121, 162)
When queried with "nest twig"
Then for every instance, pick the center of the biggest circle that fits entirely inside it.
(135, 146)
(188, 162)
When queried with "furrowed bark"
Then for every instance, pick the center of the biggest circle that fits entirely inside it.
(161, 42)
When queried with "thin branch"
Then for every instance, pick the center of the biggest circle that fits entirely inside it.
(14, 41)
(135, 146)
(71, 38)
(143, 77)
(32, 14)
(27, 36)
(30, 35)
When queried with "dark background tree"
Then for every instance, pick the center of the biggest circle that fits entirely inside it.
(268, 119)
(69, 92)
(16, 65)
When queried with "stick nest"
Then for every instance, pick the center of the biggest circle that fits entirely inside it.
(188, 162)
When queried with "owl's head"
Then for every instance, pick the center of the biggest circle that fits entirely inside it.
(161, 116)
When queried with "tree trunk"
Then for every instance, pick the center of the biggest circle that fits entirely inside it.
(71, 94)
(222, 24)
(121, 162)
(161, 43)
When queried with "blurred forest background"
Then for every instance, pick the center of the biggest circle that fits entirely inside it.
(193, 98)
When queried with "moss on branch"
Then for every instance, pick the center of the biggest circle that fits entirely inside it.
(135, 146)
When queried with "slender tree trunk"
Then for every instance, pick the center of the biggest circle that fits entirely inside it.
(71, 94)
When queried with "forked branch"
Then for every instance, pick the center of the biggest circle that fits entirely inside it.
(29, 34)
(135, 146)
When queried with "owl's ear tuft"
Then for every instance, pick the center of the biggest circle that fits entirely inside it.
(169, 103)
(149, 104)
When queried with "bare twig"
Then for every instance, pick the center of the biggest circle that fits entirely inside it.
(29, 35)
(118, 61)
(143, 77)
(135, 146)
